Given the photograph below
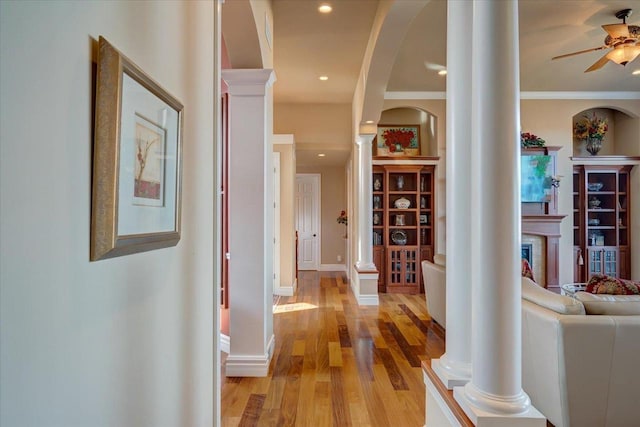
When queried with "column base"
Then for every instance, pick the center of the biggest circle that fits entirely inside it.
(249, 365)
(365, 286)
(366, 267)
(449, 375)
(441, 410)
(530, 417)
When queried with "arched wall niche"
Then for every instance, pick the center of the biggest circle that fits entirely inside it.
(622, 137)
(427, 121)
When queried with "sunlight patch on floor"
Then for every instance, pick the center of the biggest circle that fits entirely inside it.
(297, 306)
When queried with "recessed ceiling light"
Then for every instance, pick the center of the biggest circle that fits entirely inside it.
(321, 155)
(636, 72)
(442, 72)
(325, 8)
(324, 78)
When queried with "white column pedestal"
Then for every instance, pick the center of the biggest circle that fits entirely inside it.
(530, 417)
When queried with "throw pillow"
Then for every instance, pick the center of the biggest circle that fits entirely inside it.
(601, 284)
(526, 270)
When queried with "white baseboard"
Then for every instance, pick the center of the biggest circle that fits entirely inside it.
(225, 343)
(240, 365)
(332, 267)
(368, 300)
(284, 291)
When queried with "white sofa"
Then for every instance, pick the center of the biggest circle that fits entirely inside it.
(581, 369)
(435, 290)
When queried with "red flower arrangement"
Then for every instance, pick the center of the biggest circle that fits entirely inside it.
(342, 219)
(530, 140)
(398, 139)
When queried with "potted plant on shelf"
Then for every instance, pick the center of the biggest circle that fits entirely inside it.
(592, 130)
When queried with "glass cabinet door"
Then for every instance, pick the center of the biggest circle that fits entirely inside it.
(603, 261)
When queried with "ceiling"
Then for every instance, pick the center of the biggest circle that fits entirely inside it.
(309, 44)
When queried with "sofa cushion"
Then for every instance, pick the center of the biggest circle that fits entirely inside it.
(614, 305)
(600, 284)
(559, 303)
(440, 259)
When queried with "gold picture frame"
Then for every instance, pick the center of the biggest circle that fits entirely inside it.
(137, 160)
(397, 141)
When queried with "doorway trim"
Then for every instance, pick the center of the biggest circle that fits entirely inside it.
(277, 283)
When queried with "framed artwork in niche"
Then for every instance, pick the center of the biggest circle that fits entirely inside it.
(137, 160)
(398, 141)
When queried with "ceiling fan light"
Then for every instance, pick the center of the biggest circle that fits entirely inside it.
(623, 54)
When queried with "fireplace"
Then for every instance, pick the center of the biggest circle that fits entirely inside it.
(526, 252)
(542, 232)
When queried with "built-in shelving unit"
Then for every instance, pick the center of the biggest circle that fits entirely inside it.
(403, 200)
(601, 213)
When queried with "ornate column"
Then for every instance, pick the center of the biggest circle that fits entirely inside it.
(365, 281)
(365, 224)
(494, 395)
(251, 225)
(454, 367)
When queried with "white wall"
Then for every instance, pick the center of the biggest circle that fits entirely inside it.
(120, 342)
(287, 215)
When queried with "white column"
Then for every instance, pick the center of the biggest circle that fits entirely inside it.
(495, 390)
(251, 224)
(365, 209)
(454, 367)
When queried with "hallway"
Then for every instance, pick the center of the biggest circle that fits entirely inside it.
(338, 364)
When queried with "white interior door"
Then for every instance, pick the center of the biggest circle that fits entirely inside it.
(308, 220)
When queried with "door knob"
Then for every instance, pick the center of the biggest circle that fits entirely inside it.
(314, 235)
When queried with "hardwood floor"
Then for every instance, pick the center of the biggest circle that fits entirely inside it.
(337, 363)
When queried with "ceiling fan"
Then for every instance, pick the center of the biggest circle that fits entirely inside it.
(623, 40)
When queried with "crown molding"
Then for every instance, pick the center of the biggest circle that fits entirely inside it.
(580, 95)
(415, 95)
(523, 95)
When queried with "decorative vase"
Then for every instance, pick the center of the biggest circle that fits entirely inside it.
(402, 203)
(400, 182)
(594, 145)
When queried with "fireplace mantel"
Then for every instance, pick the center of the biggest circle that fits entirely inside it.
(547, 226)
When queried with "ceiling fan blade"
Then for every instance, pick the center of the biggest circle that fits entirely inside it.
(598, 64)
(617, 30)
(579, 52)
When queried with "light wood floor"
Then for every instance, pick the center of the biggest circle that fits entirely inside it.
(337, 363)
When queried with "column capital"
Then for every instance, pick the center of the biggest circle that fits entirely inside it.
(248, 82)
(365, 139)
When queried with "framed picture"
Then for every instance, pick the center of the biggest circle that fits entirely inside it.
(398, 141)
(137, 160)
(424, 219)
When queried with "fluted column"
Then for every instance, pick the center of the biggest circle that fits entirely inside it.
(495, 389)
(365, 221)
(454, 367)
